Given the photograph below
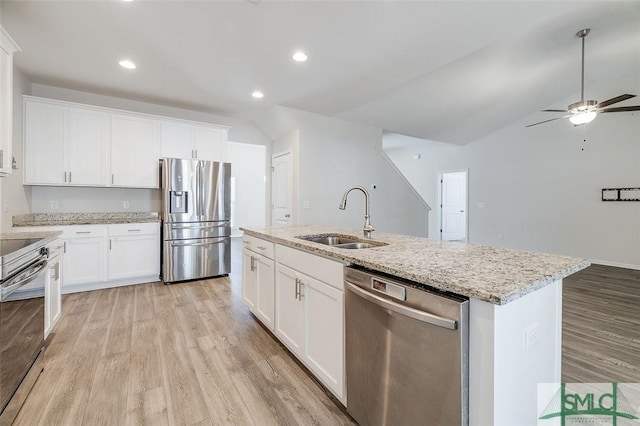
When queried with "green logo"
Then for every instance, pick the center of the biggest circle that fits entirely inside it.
(583, 403)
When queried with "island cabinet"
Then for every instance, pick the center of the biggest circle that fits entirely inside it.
(310, 313)
(258, 289)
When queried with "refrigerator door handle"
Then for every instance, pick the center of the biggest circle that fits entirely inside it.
(207, 243)
(174, 227)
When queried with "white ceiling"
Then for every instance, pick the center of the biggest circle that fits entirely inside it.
(452, 71)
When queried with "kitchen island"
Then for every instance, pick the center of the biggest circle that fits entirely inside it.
(515, 307)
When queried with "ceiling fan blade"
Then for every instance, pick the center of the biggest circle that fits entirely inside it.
(614, 100)
(546, 121)
(622, 109)
(555, 110)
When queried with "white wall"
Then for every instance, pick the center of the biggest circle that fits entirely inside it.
(542, 185)
(334, 154)
(248, 168)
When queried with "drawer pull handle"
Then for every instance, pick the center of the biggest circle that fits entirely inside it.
(134, 230)
(83, 232)
(262, 247)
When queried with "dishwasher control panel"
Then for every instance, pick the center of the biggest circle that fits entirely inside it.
(393, 290)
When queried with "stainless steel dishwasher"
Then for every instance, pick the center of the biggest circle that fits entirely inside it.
(407, 352)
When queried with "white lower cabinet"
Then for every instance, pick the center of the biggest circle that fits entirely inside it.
(103, 256)
(310, 314)
(258, 286)
(53, 288)
(85, 256)
(133, 251)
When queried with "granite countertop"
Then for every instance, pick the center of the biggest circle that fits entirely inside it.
(491, 274)
(55, 219)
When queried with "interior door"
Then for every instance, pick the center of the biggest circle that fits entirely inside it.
(282, 192)
(453, 212)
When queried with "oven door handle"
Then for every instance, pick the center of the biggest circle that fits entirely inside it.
(403, 310)
(16, 281)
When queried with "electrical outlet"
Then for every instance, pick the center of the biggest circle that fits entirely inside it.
(531, 336)
(482, 205)
(500, 236)
(306, 204)
(125, 204)
(5, 207)
(54, 204)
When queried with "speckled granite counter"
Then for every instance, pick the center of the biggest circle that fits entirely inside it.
(491, 274)
(56, 219)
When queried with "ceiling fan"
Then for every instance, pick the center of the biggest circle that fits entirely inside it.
(585, 111)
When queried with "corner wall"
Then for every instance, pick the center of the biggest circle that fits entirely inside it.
(335, 154)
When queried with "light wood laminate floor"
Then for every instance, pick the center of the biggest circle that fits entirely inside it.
(192, 353)
(601, 326)
(189, 353)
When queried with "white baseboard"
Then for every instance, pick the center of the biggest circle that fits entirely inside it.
(77, 288)
(616, 264)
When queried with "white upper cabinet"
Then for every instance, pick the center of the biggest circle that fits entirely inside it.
(72, 144)
(7, 48)
(176, 140)
(134, 152)
(189, 140)
(65, 146)
(45, 143)
(88, 147)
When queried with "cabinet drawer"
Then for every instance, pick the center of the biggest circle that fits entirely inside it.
(258, 245)
(320, 268)
(129, 229)
(83, 231)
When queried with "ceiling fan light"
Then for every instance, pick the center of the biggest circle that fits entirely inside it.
(583, 117)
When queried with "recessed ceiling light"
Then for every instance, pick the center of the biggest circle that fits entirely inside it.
(125, 63)
(258, 94)
(299, 57)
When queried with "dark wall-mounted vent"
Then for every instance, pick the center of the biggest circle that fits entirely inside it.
(620, 194)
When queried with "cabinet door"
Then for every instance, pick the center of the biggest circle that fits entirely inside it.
(210, 143)
(7, 47)
(53, 298)
(84, 261)
(266, 291)
(44, 139)
(88, 147)
(289, 310)
(134, 152)
(176, 140)
(133, 256)
(325, 338)
(249, 280)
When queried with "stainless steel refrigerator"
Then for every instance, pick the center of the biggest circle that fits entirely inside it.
(196, 229)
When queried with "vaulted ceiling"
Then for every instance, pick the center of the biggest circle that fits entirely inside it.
(452, 71)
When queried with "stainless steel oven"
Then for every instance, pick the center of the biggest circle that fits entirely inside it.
(23, 264)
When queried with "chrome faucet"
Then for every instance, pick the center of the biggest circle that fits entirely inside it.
(368, 228)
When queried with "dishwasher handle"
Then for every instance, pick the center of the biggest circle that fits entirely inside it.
(404, 310)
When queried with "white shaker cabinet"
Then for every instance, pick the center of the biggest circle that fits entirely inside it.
(133, 250)
(85, 256)
(309, 314)
(53, 287)
(187, 140)
(65, 145)
(258, 275)
(45, 141)
(134, 151)
(7, 48)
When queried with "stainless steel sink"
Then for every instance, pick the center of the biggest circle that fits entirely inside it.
(341, 241)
